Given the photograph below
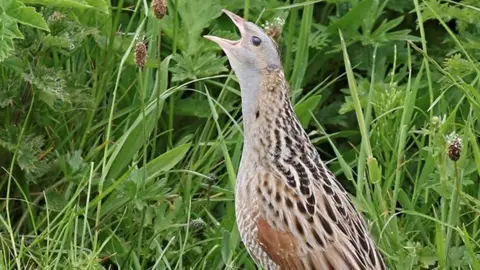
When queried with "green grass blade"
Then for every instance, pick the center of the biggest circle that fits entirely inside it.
(301, 56)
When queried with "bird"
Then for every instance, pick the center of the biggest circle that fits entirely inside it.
(291, 211)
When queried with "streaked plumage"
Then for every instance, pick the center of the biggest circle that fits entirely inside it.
(291, 211)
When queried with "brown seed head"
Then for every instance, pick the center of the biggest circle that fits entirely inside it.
(274, 28)
(197, 224)
(140, 54)
(454, 146)
(56, 16)
(274, 32)
(159, 8)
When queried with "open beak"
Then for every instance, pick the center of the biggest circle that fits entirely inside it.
(226, 43)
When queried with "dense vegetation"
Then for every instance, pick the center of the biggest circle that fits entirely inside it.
(108, 164)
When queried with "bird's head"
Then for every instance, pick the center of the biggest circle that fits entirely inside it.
(255, 51)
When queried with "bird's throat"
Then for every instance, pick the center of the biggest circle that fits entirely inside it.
(250, 84)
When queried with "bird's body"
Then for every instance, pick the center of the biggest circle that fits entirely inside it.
(290, 210)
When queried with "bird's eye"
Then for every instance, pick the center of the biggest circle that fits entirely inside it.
(256, 41)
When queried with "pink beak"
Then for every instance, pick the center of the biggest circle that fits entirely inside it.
(226, 43)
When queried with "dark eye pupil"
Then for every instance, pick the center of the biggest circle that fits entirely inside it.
(256, 41)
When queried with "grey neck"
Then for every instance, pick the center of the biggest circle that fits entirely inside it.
(250, 81)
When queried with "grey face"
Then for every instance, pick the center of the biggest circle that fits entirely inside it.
(254, 51)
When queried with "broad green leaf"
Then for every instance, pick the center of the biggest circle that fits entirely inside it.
(303, 109)
(193, 18)
(193, 67)
(374, 171)
(25, 15)
(194, 105)
(226, 246)
(61, 3)
(6, 46)
(52, 85)
(352, 20)
(167, 160)
(405, 201)
(101, 5)
(196, 16)
(9, 27)
(475, 149)
(27, 151)
(11, 13)
(197, 105)
(382, 33)
(56, 201)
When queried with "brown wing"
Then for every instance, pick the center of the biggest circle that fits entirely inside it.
(295, 237)
(281, 247)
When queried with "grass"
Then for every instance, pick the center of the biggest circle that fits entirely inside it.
(105, 165)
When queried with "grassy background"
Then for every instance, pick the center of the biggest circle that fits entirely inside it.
(107, 165)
